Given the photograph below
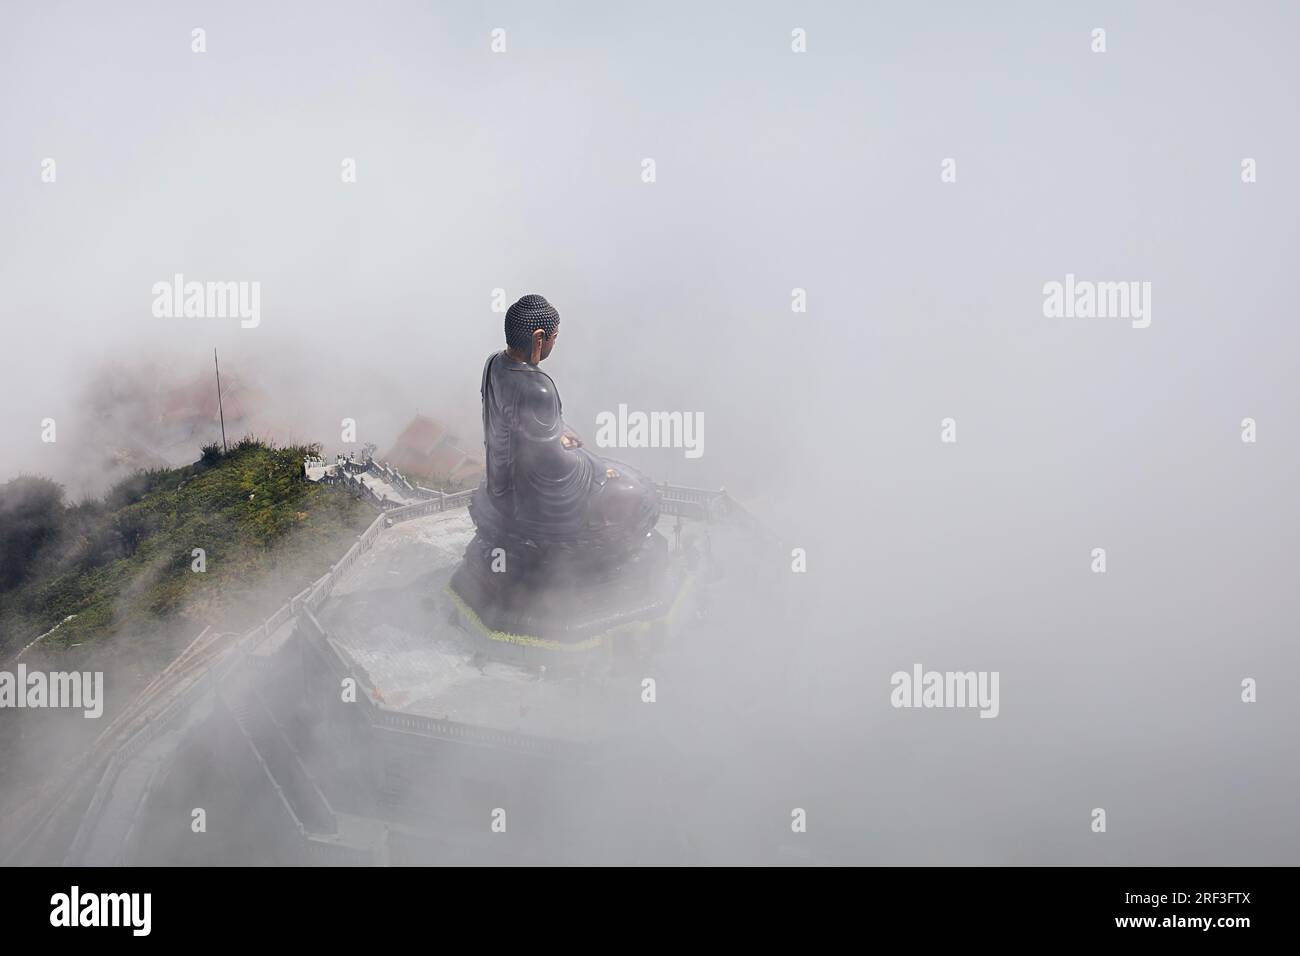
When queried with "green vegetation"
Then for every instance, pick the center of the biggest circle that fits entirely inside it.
(124, 565)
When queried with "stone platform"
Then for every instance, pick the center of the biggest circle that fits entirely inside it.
(567, 612)
(395, 620)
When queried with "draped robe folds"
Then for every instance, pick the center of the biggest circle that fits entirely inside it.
(532, 480)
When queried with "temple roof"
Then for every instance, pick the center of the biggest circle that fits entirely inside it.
(427, 448)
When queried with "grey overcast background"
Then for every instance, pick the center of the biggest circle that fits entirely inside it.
(775, 170)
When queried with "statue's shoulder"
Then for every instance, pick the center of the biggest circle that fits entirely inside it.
(535, 386)
(525, 384)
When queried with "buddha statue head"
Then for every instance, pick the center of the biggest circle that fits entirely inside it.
(532, 326)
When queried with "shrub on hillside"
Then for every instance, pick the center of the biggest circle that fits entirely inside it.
(31, 514)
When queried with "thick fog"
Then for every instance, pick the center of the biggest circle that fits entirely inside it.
(774, 171)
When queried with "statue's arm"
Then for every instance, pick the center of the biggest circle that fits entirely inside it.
(548, 441)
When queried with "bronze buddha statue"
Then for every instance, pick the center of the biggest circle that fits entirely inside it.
(544, 493)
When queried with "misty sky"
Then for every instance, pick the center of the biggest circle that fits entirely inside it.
(775, 170)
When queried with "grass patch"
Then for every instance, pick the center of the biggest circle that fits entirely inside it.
(124, 565)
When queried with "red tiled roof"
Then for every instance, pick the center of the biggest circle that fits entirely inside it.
(427, 448)
(445, 460)
(422, 435)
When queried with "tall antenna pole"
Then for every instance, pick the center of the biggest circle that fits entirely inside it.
(220, 411)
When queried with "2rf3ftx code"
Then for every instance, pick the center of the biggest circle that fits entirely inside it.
(1198, 899)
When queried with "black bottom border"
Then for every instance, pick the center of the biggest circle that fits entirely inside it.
(333, 906)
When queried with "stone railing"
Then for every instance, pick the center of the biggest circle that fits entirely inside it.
(128, 750)
(443, 502)
(350, 472)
